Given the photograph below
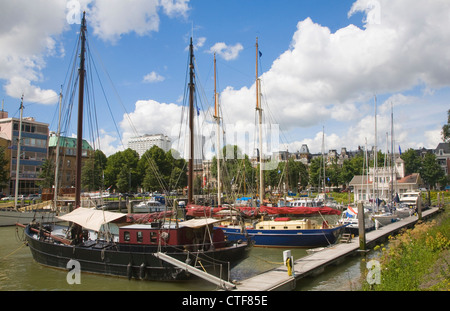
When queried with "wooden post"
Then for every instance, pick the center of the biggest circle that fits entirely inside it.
(419, 207)
(362, 228)
(128, 204)
(120, 201)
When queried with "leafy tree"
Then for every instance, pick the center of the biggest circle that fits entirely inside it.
(413, 162)
(350, 168)
(161, 170)
(236, 169)
(92, 171)
(121, 170)
(316, 171)
(446, 129)
(4, 172)
(431, 172)
(47, 174)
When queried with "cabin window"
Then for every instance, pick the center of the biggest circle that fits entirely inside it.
(285, 227)
(273, 227)
(126, 236)
(139, 237)
(299, 227)
(153, 237)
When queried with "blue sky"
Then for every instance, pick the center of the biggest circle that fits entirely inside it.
(323, 62)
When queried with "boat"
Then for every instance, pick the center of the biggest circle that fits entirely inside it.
(9, 216)
(161, 250)
(149, 206)
(286, 232)
(135, 251)
(410, 199)
(281, 231)
(350, 218)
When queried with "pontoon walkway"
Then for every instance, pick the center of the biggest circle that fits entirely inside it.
(278, 278)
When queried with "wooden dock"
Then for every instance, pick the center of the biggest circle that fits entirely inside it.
(278, 279)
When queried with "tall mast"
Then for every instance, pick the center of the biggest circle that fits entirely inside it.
(80, 112)
(217, 117)
(259, 109)
(375, 162)
(323, 158)
(392, 152)
(191, 123)
(19, 151)
(58, 137)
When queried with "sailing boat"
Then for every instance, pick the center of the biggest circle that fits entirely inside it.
(153, 251)
(282, 231)
(10, 215)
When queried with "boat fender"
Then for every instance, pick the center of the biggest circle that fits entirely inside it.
(129, 271)
(142, 271)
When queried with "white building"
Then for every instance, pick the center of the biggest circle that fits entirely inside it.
(142, 143)
(383, 182)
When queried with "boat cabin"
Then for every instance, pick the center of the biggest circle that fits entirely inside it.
(152, 234)
(186, 233)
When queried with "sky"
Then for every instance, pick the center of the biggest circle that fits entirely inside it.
(331, 71)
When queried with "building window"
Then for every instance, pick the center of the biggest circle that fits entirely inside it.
(126, 236)
(139, 237)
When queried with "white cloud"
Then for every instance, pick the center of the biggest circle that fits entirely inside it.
(27, 36)
(153, 77)
(326, 77)
(227, 52)
(111, 19)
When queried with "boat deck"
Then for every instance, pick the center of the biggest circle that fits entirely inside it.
(278, 278)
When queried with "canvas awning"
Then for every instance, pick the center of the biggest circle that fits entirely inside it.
(91, 218)
(199, 222)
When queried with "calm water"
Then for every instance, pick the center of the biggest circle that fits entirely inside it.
(18, 271)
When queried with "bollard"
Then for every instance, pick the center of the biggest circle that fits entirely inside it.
(361, 227)
(288, 261)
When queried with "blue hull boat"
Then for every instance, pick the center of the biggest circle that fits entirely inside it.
(295, 233)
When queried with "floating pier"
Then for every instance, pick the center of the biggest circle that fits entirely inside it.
(278, 279)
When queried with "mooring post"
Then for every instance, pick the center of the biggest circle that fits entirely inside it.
(419, 207)
(361, 227)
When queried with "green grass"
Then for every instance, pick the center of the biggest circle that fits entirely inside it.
(417, 259)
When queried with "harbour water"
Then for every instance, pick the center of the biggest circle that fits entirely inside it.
(19, 272)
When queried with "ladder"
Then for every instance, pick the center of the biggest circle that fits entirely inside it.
(204, 275)
(346, 238)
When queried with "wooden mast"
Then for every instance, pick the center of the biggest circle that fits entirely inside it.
(217, 117)
(80, 113)
(259, 109)
(191, 123)
(19, 142)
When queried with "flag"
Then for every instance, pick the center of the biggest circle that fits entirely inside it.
(399, 149)
(260, 54)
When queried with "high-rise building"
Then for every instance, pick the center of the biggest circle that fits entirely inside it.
(142, 143)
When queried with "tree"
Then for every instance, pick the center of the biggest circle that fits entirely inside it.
(413, 163)
(431, 172)
(4, 172)
(316, 171)
(121, 170)
(446, 129)
(161, 170)
(92, 172)
(47, 174)
(350, 168)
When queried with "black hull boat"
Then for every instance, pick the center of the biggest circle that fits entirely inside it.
(137, 253)
(161, 250)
